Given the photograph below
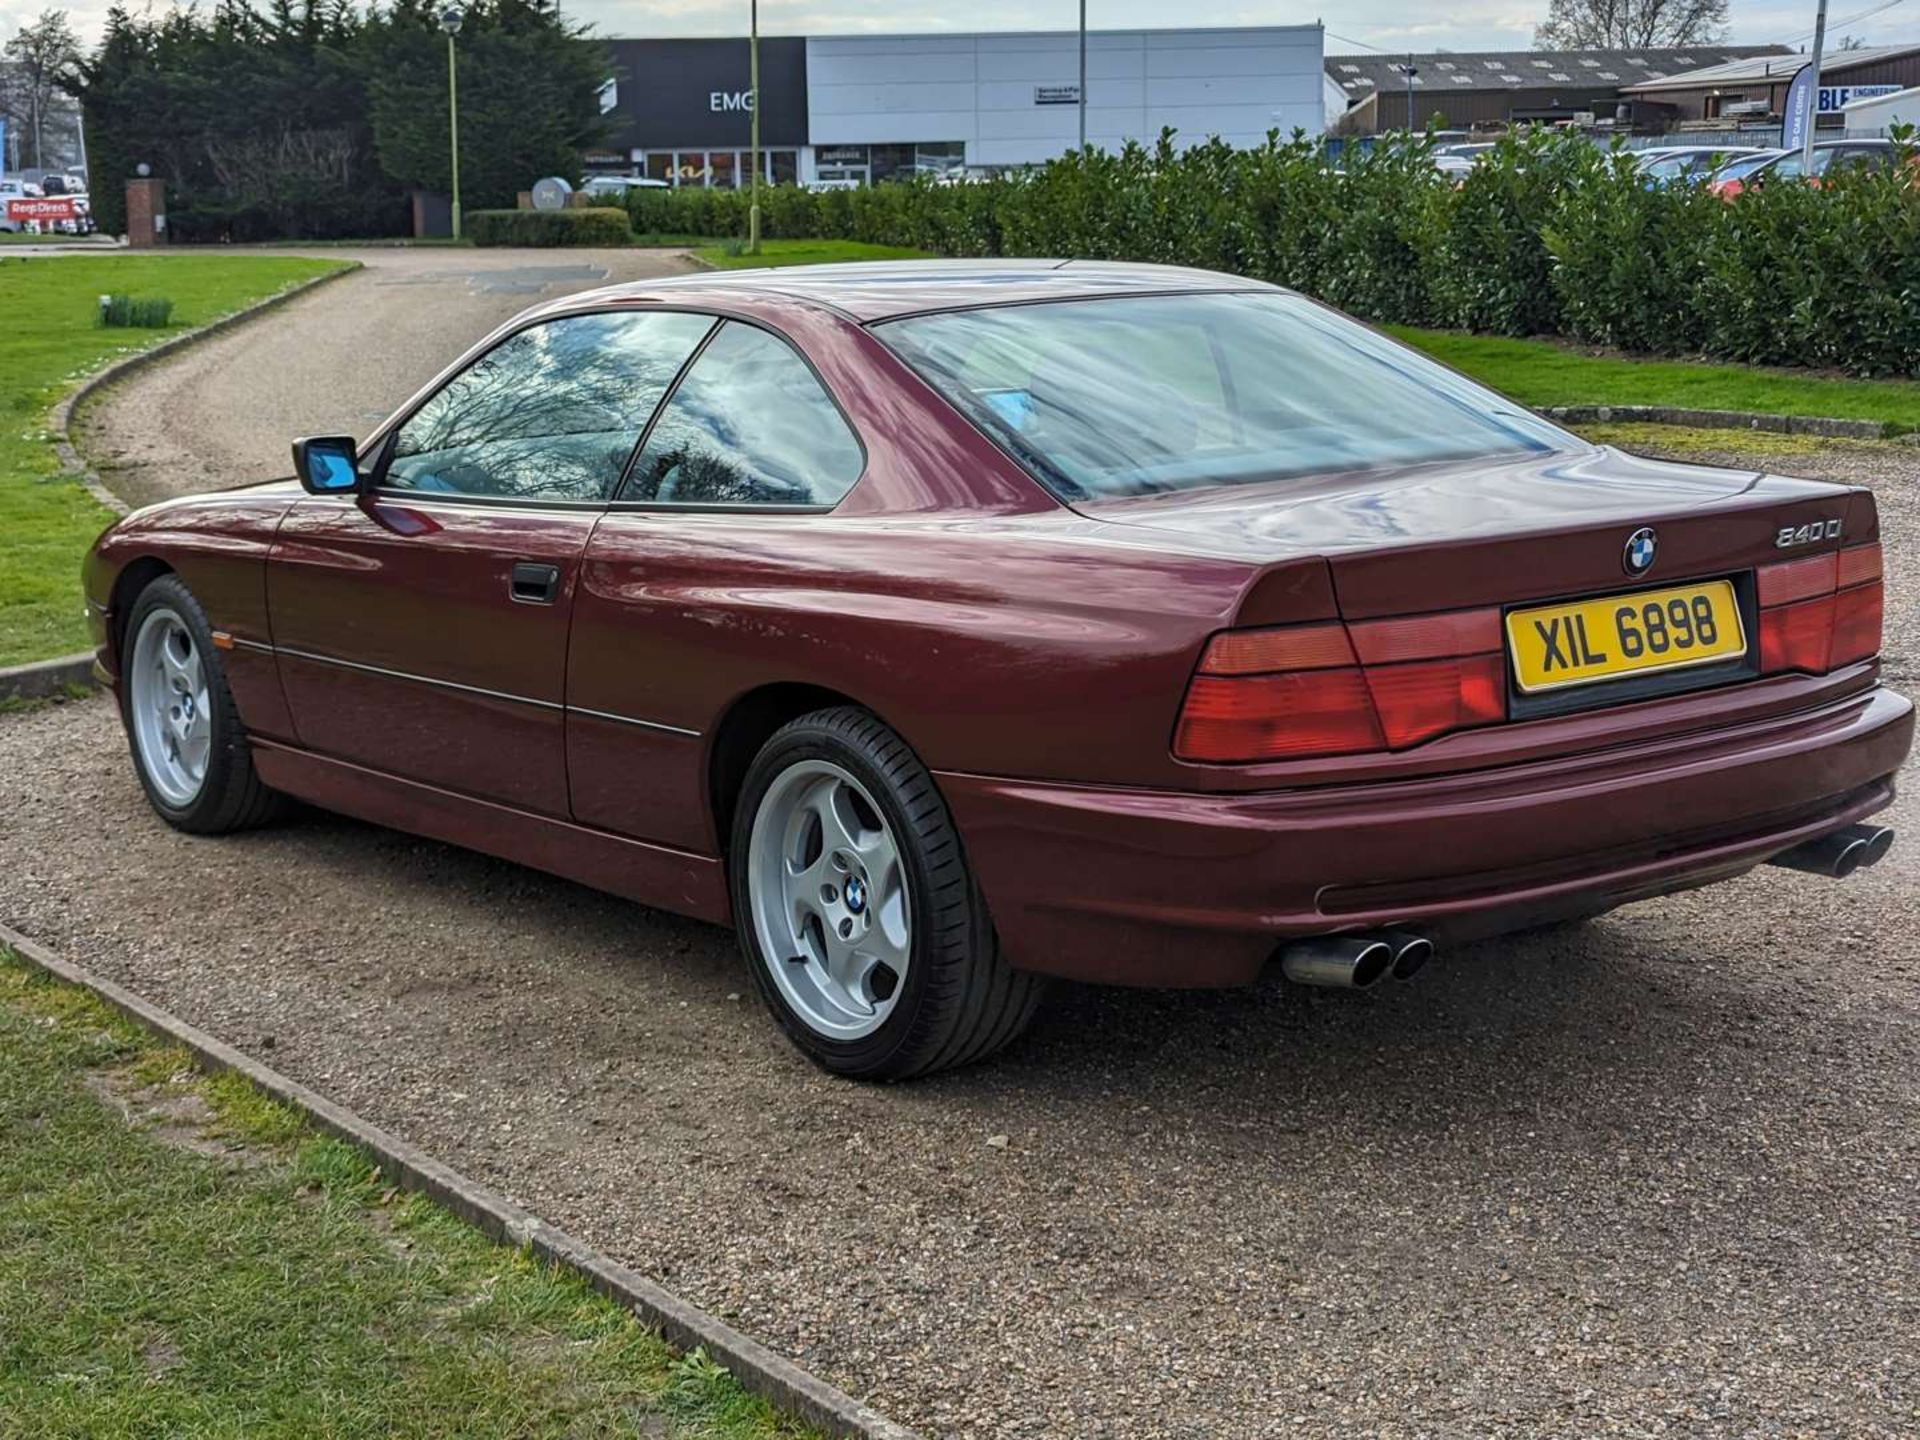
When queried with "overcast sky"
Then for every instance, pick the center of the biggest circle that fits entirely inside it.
(1379, 24)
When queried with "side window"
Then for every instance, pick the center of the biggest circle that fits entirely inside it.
(550, 413)
(749, 425)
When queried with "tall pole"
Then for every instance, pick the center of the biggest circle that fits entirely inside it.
(1410, 74)
(1083, 74)
(453, 129)
(753, 84)
(1813, 118)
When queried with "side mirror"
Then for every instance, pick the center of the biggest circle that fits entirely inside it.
(327, 464)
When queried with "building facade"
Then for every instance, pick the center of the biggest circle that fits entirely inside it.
(846, 110)
(1751, 93)
(1496, 89)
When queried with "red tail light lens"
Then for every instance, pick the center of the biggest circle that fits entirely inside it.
(1277, 717)
(1829, 629)
(1419, 701)
(1857, 616)
(1295, 692)
(1797, 637)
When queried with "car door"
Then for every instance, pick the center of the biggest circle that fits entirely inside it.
(421, 626)
(743, 459)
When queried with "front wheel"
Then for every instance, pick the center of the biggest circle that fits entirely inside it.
(189, 748)
(858, 914)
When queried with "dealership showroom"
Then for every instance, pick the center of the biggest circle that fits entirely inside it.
(857, 109)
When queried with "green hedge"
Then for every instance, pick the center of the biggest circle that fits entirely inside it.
(1548, 235)
(594, 225)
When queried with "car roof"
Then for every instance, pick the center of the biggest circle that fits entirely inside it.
(874, 291)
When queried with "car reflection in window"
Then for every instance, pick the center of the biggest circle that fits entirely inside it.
(749, 425)
(550, 413)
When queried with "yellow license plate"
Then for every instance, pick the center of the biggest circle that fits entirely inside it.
(1581, 641)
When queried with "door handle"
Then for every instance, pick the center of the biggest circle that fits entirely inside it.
(534, 584)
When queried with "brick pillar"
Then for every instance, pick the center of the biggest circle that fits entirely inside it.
(146, 213)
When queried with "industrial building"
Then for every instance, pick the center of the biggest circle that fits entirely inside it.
(1490, 91)
(854, 109)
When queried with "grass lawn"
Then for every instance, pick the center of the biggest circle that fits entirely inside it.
(49, 342)
(181, 1256)
(1542, 374)
(802, 252)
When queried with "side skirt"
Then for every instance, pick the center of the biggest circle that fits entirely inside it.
(686, 884)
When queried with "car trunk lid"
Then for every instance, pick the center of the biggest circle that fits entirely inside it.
(1504, 531)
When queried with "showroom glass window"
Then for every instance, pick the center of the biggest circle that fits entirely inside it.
(749, 425)
(550, 413)
(1144, 395)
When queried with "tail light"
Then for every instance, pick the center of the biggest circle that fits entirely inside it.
(1309, 690)
(1822, 612)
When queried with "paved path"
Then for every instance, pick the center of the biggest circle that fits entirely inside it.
(335, 362)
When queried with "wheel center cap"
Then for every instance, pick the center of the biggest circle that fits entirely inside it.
(856, 893)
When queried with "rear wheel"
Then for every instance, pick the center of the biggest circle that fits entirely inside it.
(189, 748)
(858, 915)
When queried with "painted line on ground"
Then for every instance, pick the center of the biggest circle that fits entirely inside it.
(685, 1326)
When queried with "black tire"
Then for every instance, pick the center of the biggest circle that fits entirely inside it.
(960, 1001)
(231, 797)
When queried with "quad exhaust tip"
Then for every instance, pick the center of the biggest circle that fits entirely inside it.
(1839, 853)
(1355, 962)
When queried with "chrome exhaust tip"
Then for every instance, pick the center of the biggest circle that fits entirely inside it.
(1838, 853)
(1346, 962)
(1410, 953)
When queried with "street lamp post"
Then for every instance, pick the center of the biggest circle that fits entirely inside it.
(753, 91)
(450, 19)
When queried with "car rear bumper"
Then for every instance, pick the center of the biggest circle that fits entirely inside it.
(1150, 887)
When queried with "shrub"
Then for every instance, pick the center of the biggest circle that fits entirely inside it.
(594, 225)
(1548, 234)
(146, 313)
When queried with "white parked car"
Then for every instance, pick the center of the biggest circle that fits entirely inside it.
(617, 187)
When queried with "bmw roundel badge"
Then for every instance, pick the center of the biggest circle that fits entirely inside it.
(1641, 547)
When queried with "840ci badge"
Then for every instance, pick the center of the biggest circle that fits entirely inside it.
(1579, 642)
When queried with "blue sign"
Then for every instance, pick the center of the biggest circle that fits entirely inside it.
(1835, 98)
(1797, 112)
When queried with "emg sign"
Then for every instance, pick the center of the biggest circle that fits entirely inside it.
(721, 101)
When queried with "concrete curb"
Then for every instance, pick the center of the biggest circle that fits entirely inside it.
(60, 418)
(1728, 420)
(762, 1372)
(44, 678)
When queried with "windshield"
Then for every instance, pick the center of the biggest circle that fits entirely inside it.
(1141, 395)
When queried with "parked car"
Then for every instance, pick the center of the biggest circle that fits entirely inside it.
(950, 625)
(1829, 156)
(1693, 163)
(617, 187)
(15, 189)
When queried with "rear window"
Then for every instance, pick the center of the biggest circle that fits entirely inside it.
(1148, 394)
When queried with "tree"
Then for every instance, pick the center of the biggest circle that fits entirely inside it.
(45, 57)
(529, 96)
(1630, 24)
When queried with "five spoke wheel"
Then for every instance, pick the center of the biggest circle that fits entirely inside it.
(829, 898)
(172, 719)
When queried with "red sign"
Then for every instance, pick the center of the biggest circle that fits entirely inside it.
(53, 207)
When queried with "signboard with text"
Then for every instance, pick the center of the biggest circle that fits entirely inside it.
(1056, 94)
(50, 208)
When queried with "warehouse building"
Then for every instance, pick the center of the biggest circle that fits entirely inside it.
(1490, 91)
(1750, 92)
(857, 109)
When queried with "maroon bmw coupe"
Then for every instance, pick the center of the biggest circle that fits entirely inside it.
(945, 627)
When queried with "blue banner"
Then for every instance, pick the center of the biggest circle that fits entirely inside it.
(1797, 112)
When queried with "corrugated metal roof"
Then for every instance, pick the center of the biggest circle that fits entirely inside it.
(1361, 75)
(1736, 72)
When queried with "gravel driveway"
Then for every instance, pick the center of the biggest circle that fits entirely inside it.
(336, 362)
(1657, 1176)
